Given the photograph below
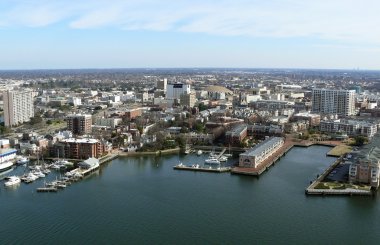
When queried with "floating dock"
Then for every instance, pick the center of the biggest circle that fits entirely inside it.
(47, 189)
(203, 169)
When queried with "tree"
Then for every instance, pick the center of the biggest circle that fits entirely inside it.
(360, 140)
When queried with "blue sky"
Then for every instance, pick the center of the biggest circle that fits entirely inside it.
(48, 34)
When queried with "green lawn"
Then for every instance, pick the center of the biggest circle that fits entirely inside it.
(340, 150)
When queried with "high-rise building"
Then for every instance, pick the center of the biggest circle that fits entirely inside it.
(18, 107)
(328, 101)
(79, 124)
(188, 99)
(162, 84)
(175, 90)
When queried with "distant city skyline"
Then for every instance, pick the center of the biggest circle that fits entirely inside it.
(57, 34)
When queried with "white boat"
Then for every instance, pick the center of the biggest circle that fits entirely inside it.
(13, 180)
(38, 173)
(5, 166)
(22, 161)
(212, 160)
(30, 177)
(223, 159)
(199, 152)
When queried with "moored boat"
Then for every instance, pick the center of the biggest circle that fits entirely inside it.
(12, 180)
(4, 166)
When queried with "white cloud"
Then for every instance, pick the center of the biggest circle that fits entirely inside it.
(343, 20)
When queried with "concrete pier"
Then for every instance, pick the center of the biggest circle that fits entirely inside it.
(266, 163)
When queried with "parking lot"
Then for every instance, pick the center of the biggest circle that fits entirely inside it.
(340, 173)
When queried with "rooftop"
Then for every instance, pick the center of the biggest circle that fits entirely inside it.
(73, 140)
(258, 149)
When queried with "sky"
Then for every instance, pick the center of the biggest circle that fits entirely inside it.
(61, 34)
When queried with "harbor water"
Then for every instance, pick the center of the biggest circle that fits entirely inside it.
(142, 200)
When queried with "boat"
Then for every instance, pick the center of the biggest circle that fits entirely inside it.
(212, 160)
(28, 178)
(12, 180)
(187, 151)
(5, 166)
(22, 161)
(38, 173)
(180, 164)
(199, 152)
(223, 159)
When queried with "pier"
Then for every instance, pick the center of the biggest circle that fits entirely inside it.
(47, 189)
(203, 169)
(266, 163)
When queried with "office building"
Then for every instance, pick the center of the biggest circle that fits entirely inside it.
(18, 107)
(175, 90)
(340, 102)
(79, 124)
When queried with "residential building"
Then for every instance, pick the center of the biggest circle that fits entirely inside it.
(108, 122)
(188, 99)
(252, 158)
(18, 107)
(262, 130)
(350, 127)
(78, 148)
(133, 113)
(162, 84)
(79, 124)
(314, 119)
(365, 165)
(328, 101)
(237, 134)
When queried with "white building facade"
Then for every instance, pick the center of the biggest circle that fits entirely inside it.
(175, 90)
(18, 107)
(327, 101)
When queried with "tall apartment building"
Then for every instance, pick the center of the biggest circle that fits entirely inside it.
(18, 107)
(175, 90)
(188, 99)
(162, 84)
(79, 124)
(340, 102)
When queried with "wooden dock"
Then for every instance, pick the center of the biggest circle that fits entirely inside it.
(203, 169)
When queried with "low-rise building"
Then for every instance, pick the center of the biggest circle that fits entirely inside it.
(314, 119)
(79, 148)
(350, 127)
(252, 158)
(262, 130)
(237, 134)
(365, 166)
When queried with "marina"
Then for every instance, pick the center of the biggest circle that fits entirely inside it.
(119, 191)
